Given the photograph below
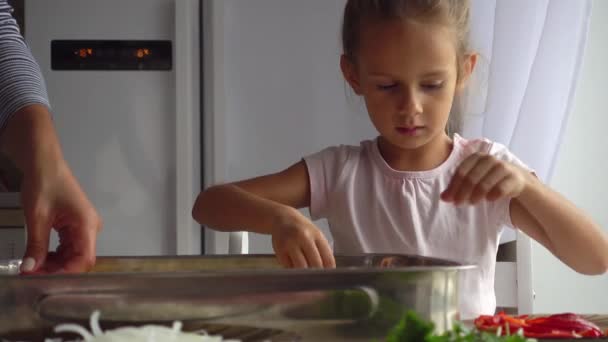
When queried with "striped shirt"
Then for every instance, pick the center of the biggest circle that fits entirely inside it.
(21, 81)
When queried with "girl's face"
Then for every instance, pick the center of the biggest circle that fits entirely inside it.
(407, 73)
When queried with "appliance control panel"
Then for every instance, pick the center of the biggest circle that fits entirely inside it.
(111, 55)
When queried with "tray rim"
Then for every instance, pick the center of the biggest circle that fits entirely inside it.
(443, 265)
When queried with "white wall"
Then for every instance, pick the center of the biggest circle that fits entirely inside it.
(581, 174)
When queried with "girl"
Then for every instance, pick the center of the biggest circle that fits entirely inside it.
(413, 189)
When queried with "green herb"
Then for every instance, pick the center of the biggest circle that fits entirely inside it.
(411, 328)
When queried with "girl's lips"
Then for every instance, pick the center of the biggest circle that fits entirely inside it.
(411, 131)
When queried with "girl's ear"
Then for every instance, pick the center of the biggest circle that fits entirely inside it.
(349, 70)
(468, 65)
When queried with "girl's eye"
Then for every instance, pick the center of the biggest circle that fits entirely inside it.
(387, 86)
(432, 85)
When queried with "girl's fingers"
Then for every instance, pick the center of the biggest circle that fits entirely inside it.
(311, 253)
(504, 188)
(459, 177)
(284, 260)
(298, 259)
(487, 183)
(327, 254)
(471, 180)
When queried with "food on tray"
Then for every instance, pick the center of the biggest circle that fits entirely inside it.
(554, 326)
(147, 333)
(412, 328)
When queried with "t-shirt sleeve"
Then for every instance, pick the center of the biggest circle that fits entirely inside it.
(21, 82)
(324, 170)
(502, 208)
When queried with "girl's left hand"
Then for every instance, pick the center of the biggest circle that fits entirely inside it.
(482, 176)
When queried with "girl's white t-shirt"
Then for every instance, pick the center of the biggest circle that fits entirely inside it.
(372, 208)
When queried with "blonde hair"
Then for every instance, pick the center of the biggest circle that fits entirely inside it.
(454, 14)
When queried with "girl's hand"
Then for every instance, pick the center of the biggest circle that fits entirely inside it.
(298, 243)
(482, 176)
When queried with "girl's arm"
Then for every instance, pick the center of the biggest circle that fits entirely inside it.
(267, 205)
(255, 204)
(535, 209)
(561, 227)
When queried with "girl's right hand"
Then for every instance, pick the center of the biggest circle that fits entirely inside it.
(298, 243)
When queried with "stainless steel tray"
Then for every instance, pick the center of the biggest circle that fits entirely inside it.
(358, 301)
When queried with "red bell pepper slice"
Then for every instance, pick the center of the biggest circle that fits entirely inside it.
(560, 325)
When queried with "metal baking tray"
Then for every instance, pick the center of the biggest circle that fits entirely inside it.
(360, 300)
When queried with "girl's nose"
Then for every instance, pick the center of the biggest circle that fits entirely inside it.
(409, 103)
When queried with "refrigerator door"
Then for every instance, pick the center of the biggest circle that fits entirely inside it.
(131, 136)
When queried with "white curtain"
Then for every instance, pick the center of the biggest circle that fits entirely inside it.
(520, 95)
(521, 92)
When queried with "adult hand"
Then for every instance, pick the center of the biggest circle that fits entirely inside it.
(52, 199)
(50, 195)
